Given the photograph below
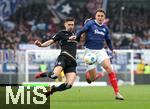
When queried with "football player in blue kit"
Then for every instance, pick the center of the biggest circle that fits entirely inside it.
(97, 34)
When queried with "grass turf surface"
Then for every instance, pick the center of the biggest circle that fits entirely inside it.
(136, 97)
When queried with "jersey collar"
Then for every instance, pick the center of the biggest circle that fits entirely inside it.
(98, 23)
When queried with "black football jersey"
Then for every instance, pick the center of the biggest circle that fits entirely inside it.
(67, 45)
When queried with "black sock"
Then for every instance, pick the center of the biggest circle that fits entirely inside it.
(52, 75)
(49, 74)
(61, 87)
(44, 74)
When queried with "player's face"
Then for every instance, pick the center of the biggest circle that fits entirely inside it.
(69, 25)
(100, 17)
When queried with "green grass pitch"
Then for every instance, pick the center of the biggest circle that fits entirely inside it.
(136, 97)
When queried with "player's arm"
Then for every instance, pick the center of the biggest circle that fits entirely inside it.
(78, 35)
(85, 28)
(55, 38)
(82, 30)
(108, 41)
(83, 35)
(45, 44)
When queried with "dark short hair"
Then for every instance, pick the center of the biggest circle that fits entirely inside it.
(69, 19)
(100, 10)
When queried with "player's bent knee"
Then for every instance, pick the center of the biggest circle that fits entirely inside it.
(108, 69)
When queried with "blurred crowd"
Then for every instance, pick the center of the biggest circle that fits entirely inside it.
(38, 21)
(134, 20)
(25, 26)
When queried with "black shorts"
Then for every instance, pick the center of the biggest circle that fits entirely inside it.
(68, 64)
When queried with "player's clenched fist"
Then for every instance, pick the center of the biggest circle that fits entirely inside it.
(72, 37)
(38, 43)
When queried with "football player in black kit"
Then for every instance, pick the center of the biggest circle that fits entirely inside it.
(66, 61)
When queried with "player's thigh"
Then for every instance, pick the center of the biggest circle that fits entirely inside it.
(59, 65)
(70, 73)
(57, 70)
(104, 60)
(70, 77)
(101, 56)
(91, 67)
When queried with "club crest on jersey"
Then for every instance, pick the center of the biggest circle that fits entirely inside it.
(104, 29)
(99, 32)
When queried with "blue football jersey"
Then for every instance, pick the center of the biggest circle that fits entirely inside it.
(96, 35)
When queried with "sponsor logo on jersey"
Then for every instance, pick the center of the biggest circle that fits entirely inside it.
(99, 32)
(104, 29)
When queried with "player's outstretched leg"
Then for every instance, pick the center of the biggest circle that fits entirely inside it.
(40, 75)
(113, 79)
(98, 76)
(70, 78)
(53, 75)
(46, 74)
(62, 87)
(90, 79)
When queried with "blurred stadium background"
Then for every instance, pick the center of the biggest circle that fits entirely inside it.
(24, 21)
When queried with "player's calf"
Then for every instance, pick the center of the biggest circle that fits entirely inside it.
(98, 76)
(89, 79)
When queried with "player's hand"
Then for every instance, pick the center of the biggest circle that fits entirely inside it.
(38, 43)
(72, 37)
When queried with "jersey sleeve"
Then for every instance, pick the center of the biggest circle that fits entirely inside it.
(108, 39)
(85, 28)
(107, 33)
(56, 37)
